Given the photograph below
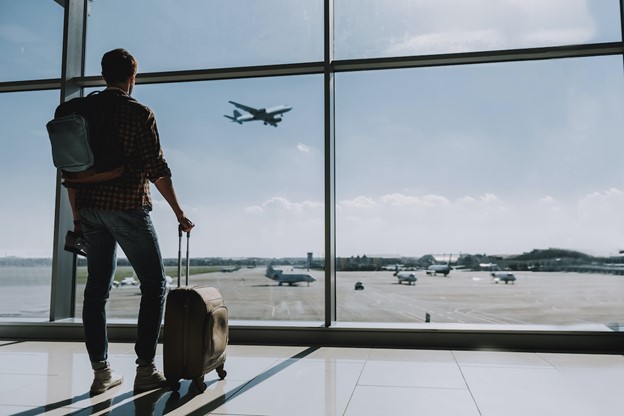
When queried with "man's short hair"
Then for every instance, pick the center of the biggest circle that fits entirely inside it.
(118, 65)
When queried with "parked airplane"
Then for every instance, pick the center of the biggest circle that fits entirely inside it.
(503, 277)
(266, 115)
(445, 269)
(409, 277)
(290, 278)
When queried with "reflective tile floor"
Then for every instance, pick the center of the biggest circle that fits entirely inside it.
(53, 379)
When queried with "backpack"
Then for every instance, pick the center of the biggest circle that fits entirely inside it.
(84, 143)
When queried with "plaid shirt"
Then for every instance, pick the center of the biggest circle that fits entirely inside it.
(137, 132)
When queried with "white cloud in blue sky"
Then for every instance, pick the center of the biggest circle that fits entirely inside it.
(413, 27)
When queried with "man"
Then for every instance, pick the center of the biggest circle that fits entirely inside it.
(117, 212)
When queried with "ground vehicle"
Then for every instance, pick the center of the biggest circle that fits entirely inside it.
(126, 281)
(503, 277)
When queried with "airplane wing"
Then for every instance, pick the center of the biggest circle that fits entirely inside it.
(250, 110)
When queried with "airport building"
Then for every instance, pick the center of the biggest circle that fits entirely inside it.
(470, 138)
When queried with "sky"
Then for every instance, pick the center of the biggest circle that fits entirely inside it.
(497, 159)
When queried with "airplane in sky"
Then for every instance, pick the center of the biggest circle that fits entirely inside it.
(409, 277)
(503, 277)
(266, 115)
(291, 278)
(444, 269)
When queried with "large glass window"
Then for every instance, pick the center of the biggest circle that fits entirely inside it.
(199, 34)
(452, 178)
(511, 168)
(387, 28)
(254, 191)
(31, 36)
(27, 204)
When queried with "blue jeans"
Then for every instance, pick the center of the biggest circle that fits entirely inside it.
(134, 232)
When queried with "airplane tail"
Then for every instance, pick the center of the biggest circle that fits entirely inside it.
(271, 273)
(234, 117)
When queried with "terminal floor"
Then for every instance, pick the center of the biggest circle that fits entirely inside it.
(53, 378)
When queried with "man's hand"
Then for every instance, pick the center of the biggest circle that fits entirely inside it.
(185, 224)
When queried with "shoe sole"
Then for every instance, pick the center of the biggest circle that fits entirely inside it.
(102, 390)
(145, 387)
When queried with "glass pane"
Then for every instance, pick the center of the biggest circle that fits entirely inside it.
(505, 167)
(254, 191)
(386, 28)
(31, 39)
(27, 206)
(166, 35)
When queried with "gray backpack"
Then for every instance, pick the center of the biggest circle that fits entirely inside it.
(83, 142)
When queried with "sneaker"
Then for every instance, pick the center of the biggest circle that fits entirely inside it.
(149, 378)
(104, 378)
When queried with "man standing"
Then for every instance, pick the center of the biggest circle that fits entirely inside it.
(117, 212)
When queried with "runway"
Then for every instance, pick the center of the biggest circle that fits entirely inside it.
(463, 297)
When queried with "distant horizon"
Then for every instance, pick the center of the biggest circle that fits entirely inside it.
(437, 256)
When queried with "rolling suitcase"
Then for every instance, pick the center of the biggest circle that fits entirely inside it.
(196, 330)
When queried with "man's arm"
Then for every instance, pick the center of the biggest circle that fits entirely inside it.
(165, 187)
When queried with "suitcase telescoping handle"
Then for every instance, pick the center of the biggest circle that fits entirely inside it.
(188, 237)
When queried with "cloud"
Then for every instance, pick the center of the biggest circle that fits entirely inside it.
(449, 42)
(413, 224)
(600, 209)
(556, 37)
(358, 202)
(405, 223)
(550, 203)
(254, 209)
(303, 148)
(276, 227)
(486, 25)
(467, 199)
(489, 198)
(399, 200)
(280, 204)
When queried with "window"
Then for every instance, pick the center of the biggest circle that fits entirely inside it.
(254, 191)
(197, 34)
(490, 166)
(383, 28)
(482, 163)
(27, 205)
(31, 36)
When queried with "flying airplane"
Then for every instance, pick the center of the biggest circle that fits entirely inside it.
(445, 269)
(503, 277)
(409, 277)
(290, 278)
(266, 115)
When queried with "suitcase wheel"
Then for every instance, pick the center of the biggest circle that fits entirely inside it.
(199, 384)
(221, 372)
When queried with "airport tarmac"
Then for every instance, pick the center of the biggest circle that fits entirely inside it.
(463, 297)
